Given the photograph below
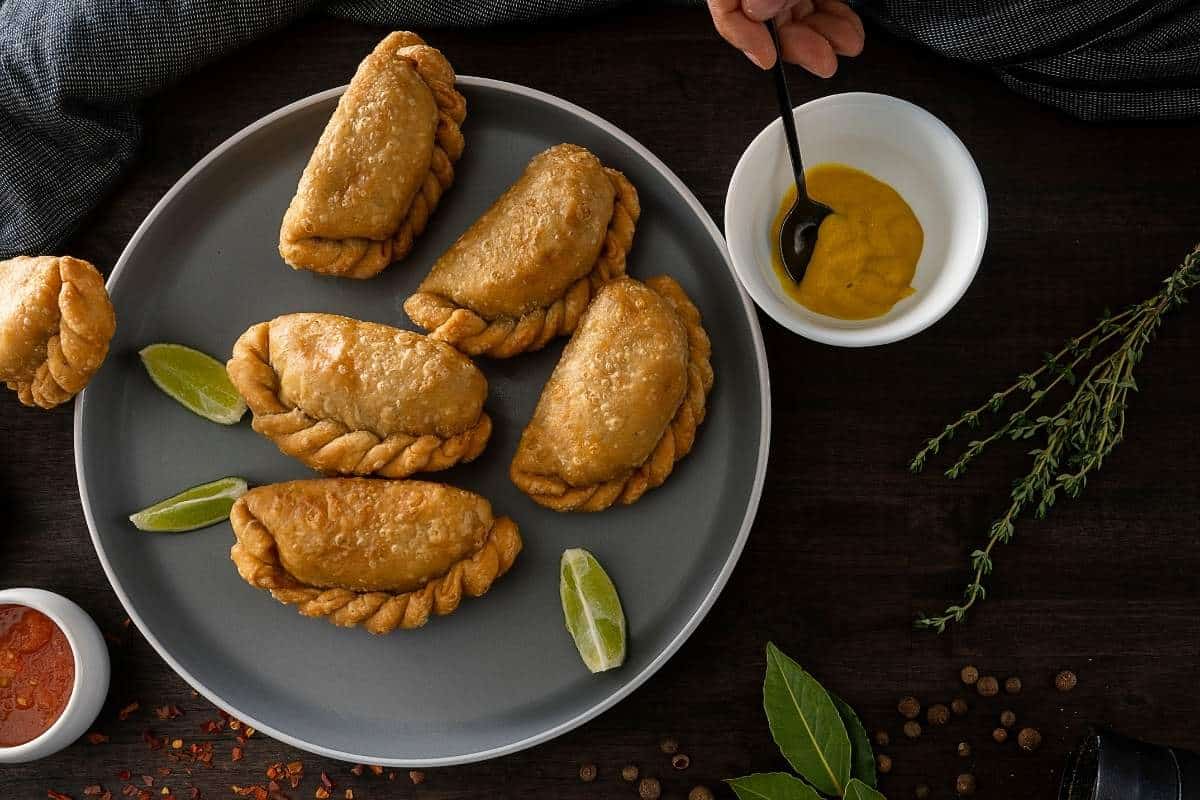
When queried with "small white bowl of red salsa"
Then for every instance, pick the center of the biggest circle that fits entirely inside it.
(54, 673)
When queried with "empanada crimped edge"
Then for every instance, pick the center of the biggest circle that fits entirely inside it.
(507, 336)
(328, 445)
(257, 561)
(86, 325)
(365, 258)
(675, 443)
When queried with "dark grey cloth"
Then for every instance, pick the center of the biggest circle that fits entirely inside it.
(73, 72)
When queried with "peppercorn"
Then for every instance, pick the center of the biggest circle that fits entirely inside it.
(629, 773)
(1008, 718)
(912, 729)
(964, 749)
(964, 785)
(680, 761)
(969, 674)
(882, 739)
(959, 706)
(587, 773)
(922, 791)
(883, 763)
(988, 686)
(669, 746)
(700, 793)
(909, 707)
(1000, 735)
(1065, 681)
(938, 714)
(1029, 739)
(1012, 685)
(649, 789)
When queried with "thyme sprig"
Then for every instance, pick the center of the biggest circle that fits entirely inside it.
(1077, 438)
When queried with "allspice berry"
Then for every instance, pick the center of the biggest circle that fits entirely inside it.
(629, 773)
(700, 793)
(964, 785)
(922, 791)
(1008, 718)
(680, 761)
(909, 707)
(1012, 685)
(669, 746)
(912, 729)
(649, 789)
(1029, 739)
(988, 686)
(959, 706)
(1000, 735)
(587, 773)
(882, 739)
(964, 749)
(938, 714)
(1065, 681)
(969, 674)
(883, 763)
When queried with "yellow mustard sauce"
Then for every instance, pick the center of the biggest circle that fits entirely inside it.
(866, 252)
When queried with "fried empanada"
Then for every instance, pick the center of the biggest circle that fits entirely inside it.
(525, 271)
(381, 165)
(55, 325)
(381, 554)
(624, 402)
(360, 398)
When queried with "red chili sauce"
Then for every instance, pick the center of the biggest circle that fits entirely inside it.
(37, 673)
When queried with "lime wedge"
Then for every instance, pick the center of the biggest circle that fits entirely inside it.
(592, 611)
(198, 381)
(197, 507)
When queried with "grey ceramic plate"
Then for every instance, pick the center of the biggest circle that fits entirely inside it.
(499, 674)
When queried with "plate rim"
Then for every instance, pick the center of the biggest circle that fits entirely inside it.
(697, 616)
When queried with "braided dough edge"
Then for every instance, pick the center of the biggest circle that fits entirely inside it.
(366, 258)
(330, 446)
(257, 561)
(506, 336)
(676, 442)
(86, 326)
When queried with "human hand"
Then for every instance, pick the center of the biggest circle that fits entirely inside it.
(812, 33)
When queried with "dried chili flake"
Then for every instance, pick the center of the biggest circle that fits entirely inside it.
(148, 780)
(295, 768)
(168, 712)
(107, 795)
(328, 784)
(95, 737)
(53, 795)
(124, 775)
(391, 776)
(128, 790)
(128, 711)
(321, 793)
(248, 732)
(164, 771)
(93, 790)
(349, 794)
(234, 724)
(236, 754)
(357, 769)
(194, 793)
(376, 769)
(416, 776)
(144, 794)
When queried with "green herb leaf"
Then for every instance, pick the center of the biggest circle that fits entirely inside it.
(862, 757)
(805, 724)
(857, 790)
(772, 786)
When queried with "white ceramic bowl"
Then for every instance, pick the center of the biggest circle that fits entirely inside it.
(91, 673)
(898, 143)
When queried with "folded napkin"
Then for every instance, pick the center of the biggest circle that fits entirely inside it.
(73, 72)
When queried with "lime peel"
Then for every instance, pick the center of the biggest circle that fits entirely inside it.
(195, 380)
(592, 611)
(197, 507)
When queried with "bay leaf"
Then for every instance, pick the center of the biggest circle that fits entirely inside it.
(857, 790)
(772, 786)
(862, 757)
(805, 724)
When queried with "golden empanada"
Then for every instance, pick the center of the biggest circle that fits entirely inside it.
(525, 271)
(360, 398)
(381, 554)
(55, 325)
(624, 402)
(381, 165)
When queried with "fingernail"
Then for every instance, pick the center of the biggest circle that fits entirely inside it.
(754, 59)
(761, 10)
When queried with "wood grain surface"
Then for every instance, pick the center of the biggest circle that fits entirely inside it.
(848, 545)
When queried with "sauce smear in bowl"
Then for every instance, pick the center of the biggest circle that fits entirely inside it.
(37, 673)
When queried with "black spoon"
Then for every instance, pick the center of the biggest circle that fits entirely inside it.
(798, 234)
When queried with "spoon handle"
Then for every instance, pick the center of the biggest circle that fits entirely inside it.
(785, 113)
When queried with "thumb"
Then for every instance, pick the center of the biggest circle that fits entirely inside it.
(762, 10)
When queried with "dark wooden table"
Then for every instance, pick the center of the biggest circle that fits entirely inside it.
(847, 545)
